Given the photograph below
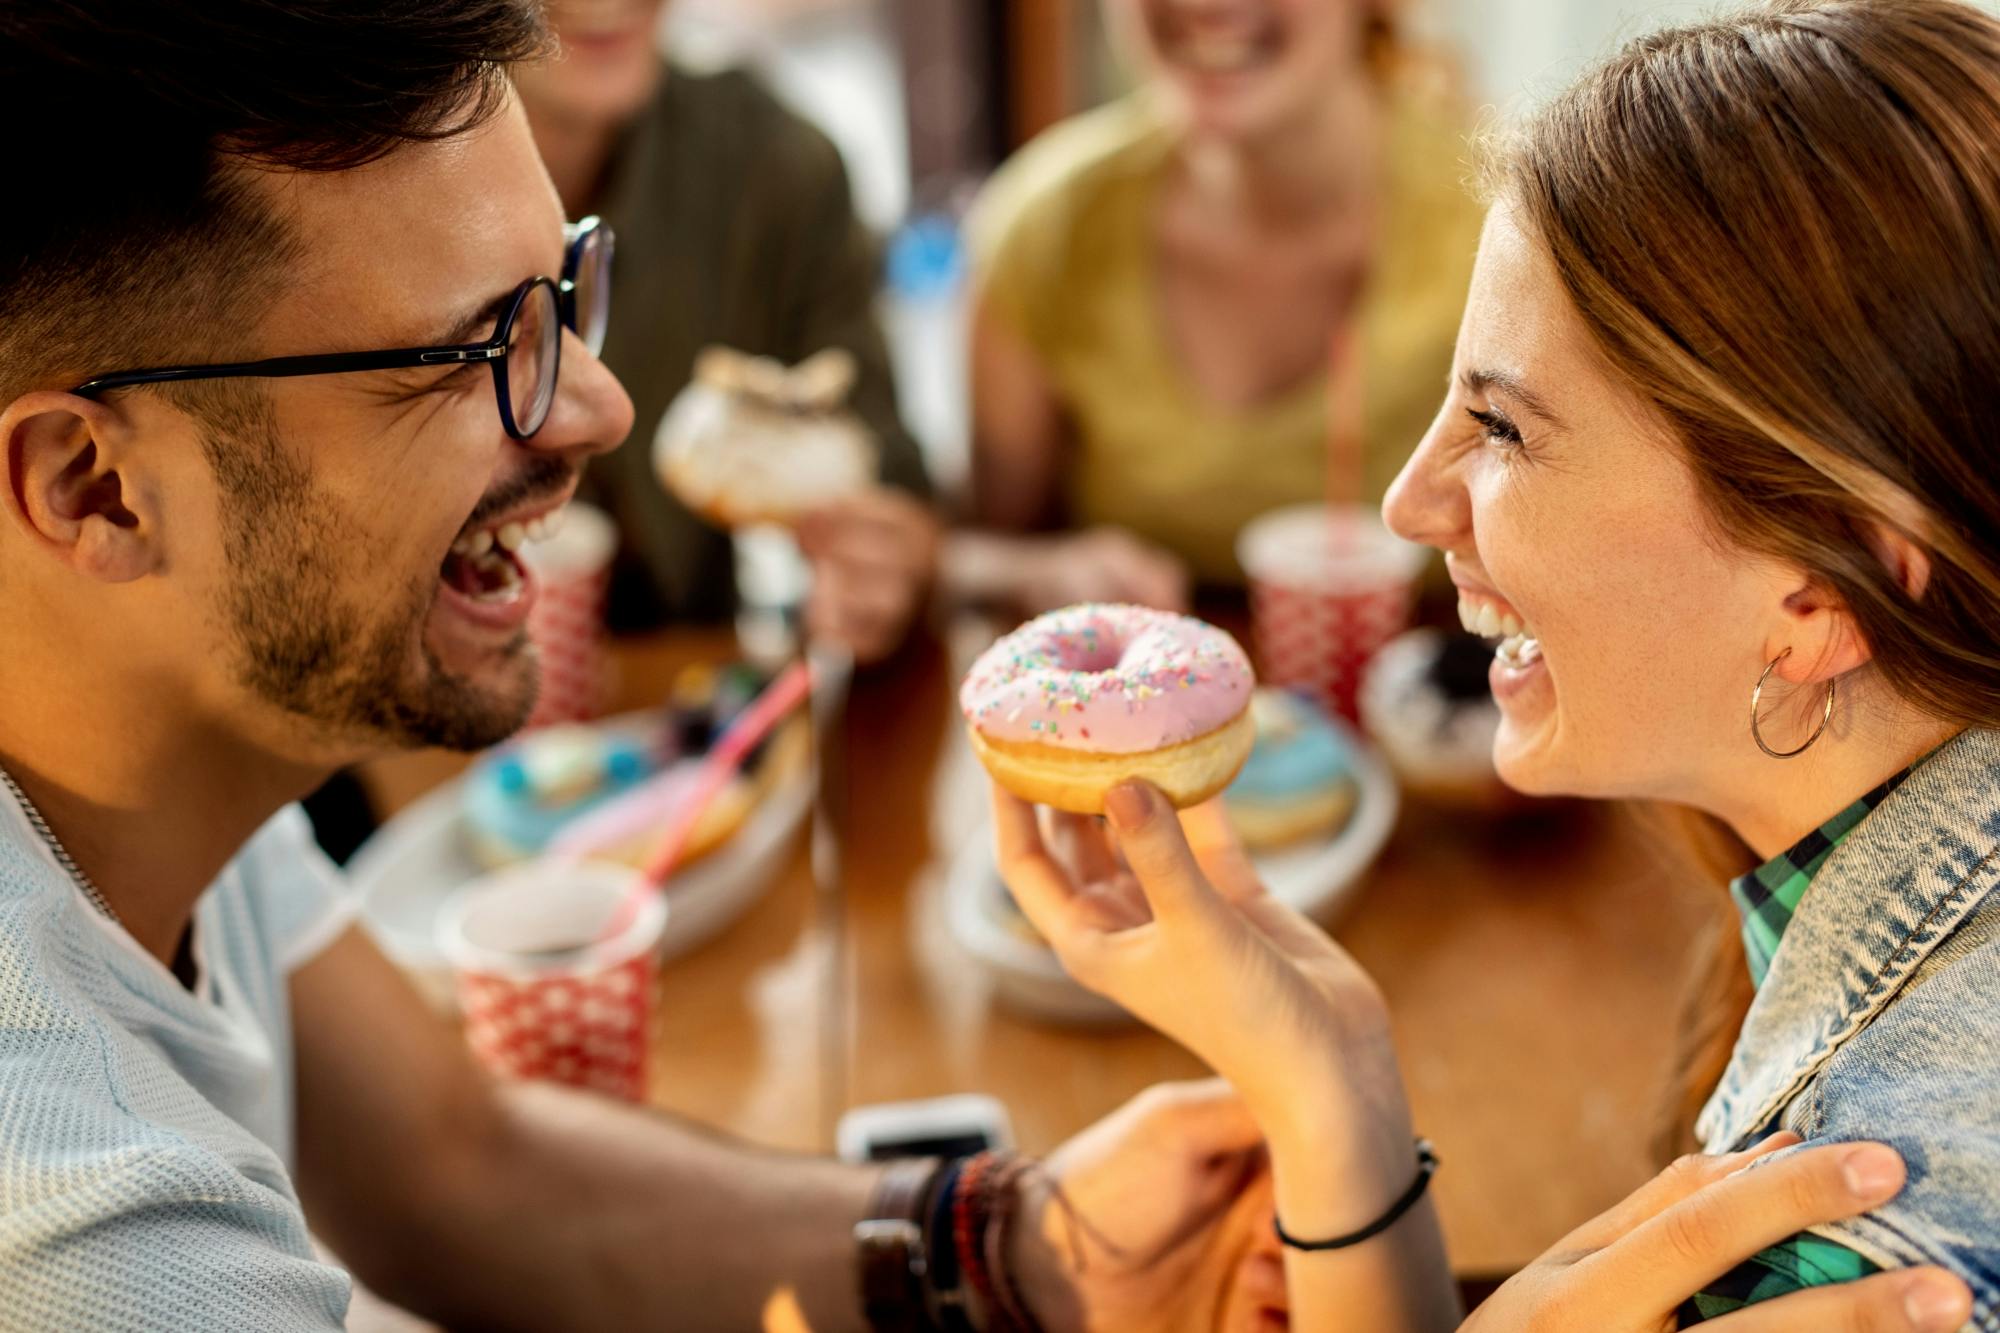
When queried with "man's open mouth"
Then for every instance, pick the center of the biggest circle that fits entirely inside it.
(485, 563)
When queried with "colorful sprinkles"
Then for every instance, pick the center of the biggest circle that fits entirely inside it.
(1094, 663)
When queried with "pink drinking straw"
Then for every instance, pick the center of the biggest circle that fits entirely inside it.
(791, 688)
(1347, 461)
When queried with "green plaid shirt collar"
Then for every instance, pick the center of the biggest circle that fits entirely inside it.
(1768, 896)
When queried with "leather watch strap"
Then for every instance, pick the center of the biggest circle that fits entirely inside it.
(889, 1247)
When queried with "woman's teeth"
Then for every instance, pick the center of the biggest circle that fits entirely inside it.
(1487, 620)
(1518, 650)
(1518, 646)
(1219, 55)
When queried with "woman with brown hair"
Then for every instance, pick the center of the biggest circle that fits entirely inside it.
(1719, 436)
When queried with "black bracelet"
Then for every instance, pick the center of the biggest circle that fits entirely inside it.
(1427, 1164)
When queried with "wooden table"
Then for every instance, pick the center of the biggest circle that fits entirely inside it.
(1534, 969)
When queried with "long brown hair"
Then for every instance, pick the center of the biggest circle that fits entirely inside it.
(1782, 229)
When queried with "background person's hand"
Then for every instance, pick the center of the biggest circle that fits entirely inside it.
(873, 556)
(1163, 1224)
(1630, 1269)
(1100, 565)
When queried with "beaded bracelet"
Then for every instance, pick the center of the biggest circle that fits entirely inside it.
(1010, 1314)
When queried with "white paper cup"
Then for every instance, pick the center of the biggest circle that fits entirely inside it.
(567, 623)
(582, 1016)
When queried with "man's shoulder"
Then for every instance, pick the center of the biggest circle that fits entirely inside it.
(142, 1230)
(128, 1201)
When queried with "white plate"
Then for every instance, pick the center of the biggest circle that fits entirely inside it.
(414, 862)
(1317, 878)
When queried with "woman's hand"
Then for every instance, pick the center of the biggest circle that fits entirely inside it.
(1628, 1270)
(1173, 924)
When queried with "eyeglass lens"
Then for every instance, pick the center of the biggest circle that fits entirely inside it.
(533, 348)
(592, 288)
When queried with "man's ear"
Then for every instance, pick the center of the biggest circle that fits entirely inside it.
(65, 490)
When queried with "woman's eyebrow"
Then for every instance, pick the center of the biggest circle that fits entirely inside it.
(1507, 382)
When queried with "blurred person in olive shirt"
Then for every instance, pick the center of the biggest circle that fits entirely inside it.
(735, 226)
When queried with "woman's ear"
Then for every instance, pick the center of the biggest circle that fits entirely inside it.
(68, 488)
(1820, 639)
(1821, 630)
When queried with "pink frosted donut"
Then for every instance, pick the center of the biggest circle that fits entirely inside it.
(1078, 700)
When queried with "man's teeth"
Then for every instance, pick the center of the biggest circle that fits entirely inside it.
(1487, 620)
(510, 536)
(507, 581)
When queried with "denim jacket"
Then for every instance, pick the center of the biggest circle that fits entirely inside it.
(1880, 1019)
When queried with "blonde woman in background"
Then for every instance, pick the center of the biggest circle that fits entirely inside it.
(1159, 283)
(1720, 434)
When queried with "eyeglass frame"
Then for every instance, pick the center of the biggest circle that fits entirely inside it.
(493, 351)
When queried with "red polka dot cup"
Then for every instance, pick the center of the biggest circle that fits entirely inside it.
(543, 997)
(573, 568)
(1329, 586)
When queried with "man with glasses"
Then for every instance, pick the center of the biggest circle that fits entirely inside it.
(293, 344)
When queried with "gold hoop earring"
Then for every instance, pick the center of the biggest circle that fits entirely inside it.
(1757, 697)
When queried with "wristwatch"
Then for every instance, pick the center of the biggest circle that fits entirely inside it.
(889, 1247)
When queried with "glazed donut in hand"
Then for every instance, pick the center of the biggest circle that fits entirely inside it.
(1076, 701)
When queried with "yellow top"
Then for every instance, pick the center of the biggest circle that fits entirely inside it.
(1063, 244)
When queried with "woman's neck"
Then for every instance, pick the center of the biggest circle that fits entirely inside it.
(1298, 173)
(1773, 803)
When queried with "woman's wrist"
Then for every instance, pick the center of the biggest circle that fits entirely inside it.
(1338, 1129)
(1336, 1085)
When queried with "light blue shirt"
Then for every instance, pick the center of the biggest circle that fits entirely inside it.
(146, 1129)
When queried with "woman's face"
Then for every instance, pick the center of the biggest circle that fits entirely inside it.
(608, 64)
(1564, 510)
(1244, 68)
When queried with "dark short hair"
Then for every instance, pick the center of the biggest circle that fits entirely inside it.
(131, 123)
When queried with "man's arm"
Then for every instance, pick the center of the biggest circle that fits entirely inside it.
(473, 1201)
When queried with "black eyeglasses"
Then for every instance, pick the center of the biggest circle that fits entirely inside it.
(525, 350)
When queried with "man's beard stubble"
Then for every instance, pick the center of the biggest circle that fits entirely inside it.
(303, 647)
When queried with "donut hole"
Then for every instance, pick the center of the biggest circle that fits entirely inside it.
(1099, 655)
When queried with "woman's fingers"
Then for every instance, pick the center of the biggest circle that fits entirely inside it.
(1917, 1300)
(1677, 1182)
(1153, 845)
(1691, 1242)
(1219, 851)
(1080, 842)
(1043, 890)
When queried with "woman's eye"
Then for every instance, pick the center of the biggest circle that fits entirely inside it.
(1497, 428)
